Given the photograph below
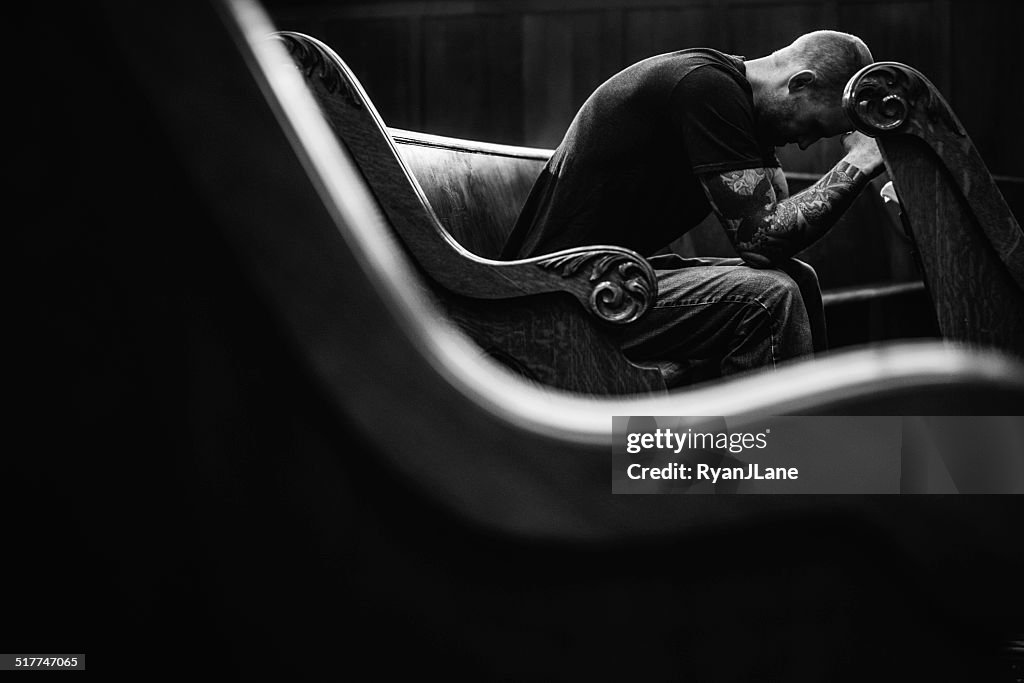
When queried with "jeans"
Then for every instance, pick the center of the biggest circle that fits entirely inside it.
(717, 317)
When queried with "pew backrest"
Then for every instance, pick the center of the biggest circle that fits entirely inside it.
(476, 188)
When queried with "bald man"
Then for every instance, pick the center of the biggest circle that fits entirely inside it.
(663, 143)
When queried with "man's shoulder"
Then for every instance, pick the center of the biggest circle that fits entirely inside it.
(664, 72)
(703, 66)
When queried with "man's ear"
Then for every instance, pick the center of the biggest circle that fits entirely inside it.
(801, 80)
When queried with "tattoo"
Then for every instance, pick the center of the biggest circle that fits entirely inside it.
(765, 227)
(780, 184)
(743, 182)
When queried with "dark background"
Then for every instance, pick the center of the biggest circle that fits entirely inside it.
(517, 72)
(178, 496)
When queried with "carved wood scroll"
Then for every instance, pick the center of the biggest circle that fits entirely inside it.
(970, 244)
(615, 285)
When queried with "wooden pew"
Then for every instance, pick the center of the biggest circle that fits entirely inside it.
(453, 203)
(971, 246)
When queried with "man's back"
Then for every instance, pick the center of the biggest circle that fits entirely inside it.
(625, 172)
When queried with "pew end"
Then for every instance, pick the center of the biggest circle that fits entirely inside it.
(969, 244)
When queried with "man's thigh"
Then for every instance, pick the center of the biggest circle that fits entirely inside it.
(698, 305)
(683, 283)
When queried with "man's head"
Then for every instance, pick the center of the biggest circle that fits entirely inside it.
(798, 89)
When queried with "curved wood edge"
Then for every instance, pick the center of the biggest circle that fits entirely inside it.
(412, 137)
(614, 284)
(871, 292)
(886, 99)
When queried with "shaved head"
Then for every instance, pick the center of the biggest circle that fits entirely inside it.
(798, 90)
(834, 58)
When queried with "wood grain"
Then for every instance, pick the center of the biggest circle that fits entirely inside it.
(477, 196)
(970, 244)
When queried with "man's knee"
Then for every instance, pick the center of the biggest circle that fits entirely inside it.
(783, 299)
(777, 287)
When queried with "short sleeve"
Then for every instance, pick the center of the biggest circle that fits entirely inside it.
(714, 116)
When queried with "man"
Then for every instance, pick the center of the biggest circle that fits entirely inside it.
(671, 138)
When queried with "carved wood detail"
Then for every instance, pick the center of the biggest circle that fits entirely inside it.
(883, 97)
(970, 244)
(622, 292)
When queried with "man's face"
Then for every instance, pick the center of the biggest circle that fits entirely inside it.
(801, 118)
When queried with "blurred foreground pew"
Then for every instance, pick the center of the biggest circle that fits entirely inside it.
(309, 472)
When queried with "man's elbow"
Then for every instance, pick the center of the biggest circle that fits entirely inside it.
(760, 243)
(756, 259)
(767, 251)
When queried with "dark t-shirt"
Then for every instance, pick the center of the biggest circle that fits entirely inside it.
(626, 172)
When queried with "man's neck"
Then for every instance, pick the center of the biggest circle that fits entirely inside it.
(762, 73)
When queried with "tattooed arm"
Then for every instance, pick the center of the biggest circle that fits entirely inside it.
(778, 178)
(765, 225)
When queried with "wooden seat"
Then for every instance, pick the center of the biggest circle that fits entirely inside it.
(453, 203)
(970, 245)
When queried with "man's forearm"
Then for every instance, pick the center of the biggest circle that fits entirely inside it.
(798, 221)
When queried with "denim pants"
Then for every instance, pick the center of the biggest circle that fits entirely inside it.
(718, 316)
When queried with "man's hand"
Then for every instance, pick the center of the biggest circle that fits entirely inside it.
(862, 151)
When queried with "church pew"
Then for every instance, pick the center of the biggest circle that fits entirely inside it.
(970, 244)
(453, 203)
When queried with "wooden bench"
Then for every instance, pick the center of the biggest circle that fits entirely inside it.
(453, 203)
(970, 244)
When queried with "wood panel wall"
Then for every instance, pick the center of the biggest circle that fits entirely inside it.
(517, 71)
